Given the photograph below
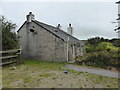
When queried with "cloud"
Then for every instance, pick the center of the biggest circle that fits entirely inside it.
(87, 18)
(59, 0)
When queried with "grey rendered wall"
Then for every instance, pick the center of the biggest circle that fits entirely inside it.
(22, 33)
(43, 45)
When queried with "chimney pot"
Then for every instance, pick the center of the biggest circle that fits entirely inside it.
(30, 17)
(70, 29)
(30, 12)
(69, 24)
(59, 26)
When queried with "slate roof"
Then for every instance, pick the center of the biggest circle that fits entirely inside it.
(58, 32)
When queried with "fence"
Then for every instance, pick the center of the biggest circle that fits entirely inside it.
(10, 56)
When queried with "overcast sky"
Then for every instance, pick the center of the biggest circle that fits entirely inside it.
(88, 19)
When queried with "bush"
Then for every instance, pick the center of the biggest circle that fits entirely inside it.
(103, 46)
(90, 48)
(102, 59)
(96, 40)
(106, 46)
(103, 55)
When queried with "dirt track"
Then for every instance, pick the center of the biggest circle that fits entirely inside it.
(102, 72)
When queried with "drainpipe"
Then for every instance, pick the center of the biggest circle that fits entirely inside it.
(73, 51)
(67, 49)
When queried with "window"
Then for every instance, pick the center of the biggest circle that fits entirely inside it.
(32, 30)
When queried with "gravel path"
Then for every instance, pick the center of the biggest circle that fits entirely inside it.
(102, 72)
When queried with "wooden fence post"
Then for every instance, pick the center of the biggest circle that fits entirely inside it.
(21, 62)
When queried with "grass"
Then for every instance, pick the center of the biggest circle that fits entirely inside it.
(27, 79)
(0, 77)
(45, 75)
(37, 74)
(44, 64)
(111, 82)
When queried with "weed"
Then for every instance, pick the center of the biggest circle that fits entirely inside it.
(34, 73)
(45, 75)
(27, 79)
(53, 78)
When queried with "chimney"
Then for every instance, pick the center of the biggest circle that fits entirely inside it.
(58, 26)
(30, 17)
(70, 29)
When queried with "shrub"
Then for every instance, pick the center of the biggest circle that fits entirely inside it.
(103, 55)
(102, 59)
(96, 40)
(106, 46)
(90, 48)
(103, 46)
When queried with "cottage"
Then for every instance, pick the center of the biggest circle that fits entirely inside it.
(48, 43)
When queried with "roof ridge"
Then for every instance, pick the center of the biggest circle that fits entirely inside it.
(46, 28)
(46, 24)
(59, 29)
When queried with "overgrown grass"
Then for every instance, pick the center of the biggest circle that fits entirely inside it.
(44, 64)
(45, 75)
(49, 74)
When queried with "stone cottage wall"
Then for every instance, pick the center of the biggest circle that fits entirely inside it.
(41, 45)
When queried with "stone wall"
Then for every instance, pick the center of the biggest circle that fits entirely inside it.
(41, 45)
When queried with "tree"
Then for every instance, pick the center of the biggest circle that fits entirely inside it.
(115, 42)
(95, 41)
(9, 37)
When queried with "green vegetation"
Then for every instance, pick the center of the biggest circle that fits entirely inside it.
(37, 74)
(101, 54)
(9, 37)
(44, 64)
(96, 40)
(45, 75)
(103, 46)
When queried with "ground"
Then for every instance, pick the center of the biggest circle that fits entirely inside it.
(0, 77)
(36, 74)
